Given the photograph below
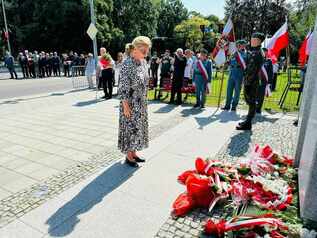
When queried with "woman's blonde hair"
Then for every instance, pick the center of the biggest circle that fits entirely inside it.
(141, 41)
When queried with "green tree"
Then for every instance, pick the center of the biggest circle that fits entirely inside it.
(262, 15)
(55, 25)
(190, 30)
(171, 13)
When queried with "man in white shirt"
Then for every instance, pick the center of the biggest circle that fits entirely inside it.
(188, 73)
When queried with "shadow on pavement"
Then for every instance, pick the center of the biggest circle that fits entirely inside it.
(222, 117)
(87, 103)
(87, 198)
(166, 109)
(239, 144)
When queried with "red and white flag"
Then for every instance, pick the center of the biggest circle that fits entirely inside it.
(279, 41)
(305, 49)
(221, 50)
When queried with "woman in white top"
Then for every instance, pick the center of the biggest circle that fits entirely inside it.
(118, 66)
(188, 73)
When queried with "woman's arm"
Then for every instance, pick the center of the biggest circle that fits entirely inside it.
(124, 89)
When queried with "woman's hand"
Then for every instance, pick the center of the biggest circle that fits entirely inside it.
(126, 109)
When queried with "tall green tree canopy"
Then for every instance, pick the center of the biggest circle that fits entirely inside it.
(263, 15)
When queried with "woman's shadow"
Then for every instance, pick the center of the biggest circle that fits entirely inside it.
(87, 198)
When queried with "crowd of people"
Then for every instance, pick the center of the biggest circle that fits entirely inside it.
(44, 64)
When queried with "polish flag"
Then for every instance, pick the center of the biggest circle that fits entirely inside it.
(279, 41)
(305, 49)
(219, 54)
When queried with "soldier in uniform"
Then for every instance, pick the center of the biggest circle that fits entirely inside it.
(268, 65)
(235, 78)
(254, 62)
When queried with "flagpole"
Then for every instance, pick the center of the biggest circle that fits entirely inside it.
(221, 85)
(6, 26)
(288, 59)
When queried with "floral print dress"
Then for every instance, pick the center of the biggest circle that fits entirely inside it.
(133, 85)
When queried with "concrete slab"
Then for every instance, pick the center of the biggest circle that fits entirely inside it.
(18, 229)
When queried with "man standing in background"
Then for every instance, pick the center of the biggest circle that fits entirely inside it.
(166, 69)
(154, 65)
(178, 76)
(56, 65)
(9, 63)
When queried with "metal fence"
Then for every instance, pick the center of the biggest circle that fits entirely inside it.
(79, 80)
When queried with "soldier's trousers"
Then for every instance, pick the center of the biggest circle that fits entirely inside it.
(234, 85)
(260, 98)
(176, 89)
(250, 96)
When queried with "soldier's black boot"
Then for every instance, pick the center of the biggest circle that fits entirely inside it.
(244, 126)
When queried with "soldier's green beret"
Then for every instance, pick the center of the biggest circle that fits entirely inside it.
(242, 42)
(258, 35)
(204, 51)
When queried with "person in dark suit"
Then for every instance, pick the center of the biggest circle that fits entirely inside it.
(24, 65)
(56, 65)
(178, 76)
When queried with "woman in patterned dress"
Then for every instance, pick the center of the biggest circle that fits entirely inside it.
(132, 90)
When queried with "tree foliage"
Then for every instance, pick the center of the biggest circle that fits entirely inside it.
(263, 15)
(172, 12)
(195, 39)
(61, 24)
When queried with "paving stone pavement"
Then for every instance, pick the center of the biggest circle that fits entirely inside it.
(18, 121)
(278, 133)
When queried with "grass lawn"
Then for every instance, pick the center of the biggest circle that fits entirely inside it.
(270, 103)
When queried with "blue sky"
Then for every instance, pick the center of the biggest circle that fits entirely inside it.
(206, 7)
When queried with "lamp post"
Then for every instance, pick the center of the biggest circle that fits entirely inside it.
(6, 26)
(93, 21)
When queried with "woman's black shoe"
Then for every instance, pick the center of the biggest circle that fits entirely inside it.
(139, 160)
(131, 163)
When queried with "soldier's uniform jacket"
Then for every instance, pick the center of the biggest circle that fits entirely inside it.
(254, 62)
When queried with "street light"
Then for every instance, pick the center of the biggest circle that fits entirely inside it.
(6, 27)
(93, 21)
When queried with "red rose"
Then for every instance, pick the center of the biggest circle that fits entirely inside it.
(200, 165)
(266, 151)
(182, 205)
(216, 229)
(282, 207)
(184, 176)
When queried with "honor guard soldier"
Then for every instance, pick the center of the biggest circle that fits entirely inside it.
(254, 62)
(235, 77)
(265, 80)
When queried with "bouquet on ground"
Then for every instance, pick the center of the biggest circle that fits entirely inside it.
(263, 179)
